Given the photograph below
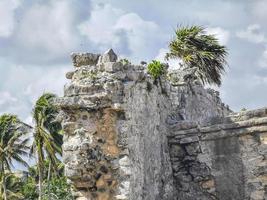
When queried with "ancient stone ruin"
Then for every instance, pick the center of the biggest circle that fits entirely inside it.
(130, 137)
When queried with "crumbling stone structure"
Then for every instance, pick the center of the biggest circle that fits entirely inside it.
(224, 158)
(130, 137)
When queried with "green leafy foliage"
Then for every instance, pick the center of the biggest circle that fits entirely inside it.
(198, 49)
(13, 145)
(58, 188)
(125, 61)
(44, 114)
(29, 189)
(13, 185)
(47, 135)
(156, 69)
(33, 171)
(45, 180)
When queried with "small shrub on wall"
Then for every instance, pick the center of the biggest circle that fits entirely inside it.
(156, 69)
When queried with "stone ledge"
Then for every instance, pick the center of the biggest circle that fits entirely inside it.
(86, 102)
(238, 117)
(230, 129)
(184, 125)
(237, 132)
(235, 125)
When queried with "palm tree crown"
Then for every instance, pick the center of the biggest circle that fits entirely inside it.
(198, 49)
(47, 137)
(13, 145)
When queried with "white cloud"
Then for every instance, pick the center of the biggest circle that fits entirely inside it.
(263, 59)
(6, 98)
(255, 34)
(7, 20)
(143, 36)
(220, 33)
(100, 27)
(28, 120)
(252, 34)
(52, 81)
(44, 32)
(259, 9)
(25, 84)
(126, 32)
(48, 28)
(173, 63)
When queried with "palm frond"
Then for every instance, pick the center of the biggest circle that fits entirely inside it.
(198, 49)
(47, 138)
(12, 144)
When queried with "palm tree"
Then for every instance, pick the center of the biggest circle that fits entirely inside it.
(198, 49)
(13, 145)
(47, 136)
(13, 185)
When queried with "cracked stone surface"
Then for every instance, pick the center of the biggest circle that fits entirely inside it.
(130, 137)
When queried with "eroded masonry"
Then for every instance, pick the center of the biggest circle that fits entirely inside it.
(130, 137)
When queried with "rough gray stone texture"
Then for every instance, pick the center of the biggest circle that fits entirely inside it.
(232, 148)
(83, 59)
(108, 56)
(147, 142)
(130, 137)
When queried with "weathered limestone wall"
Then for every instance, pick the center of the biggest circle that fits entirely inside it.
(129, 137)
(224, 159)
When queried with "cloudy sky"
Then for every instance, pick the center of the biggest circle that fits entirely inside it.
(37, 36)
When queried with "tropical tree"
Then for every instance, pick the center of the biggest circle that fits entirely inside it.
(59, 189)
(47, 136)
(198, 49)
(13, 145)
(13, 185)
(29, 189)
(55, 188)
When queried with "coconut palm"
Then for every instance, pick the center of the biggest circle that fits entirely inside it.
(13, 185)
(198, 49)
(13, 146)
(47, 136)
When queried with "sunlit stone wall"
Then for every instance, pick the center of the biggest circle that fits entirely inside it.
(128, 136)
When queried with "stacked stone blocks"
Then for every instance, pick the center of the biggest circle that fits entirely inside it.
(129, 137)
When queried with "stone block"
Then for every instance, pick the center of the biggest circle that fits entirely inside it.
(176, 151)
(112, 66)
(82, 59)
(193, 149)
(189, 139)
(208, 184)
(69, 75)
(73, 174)
(108, 56)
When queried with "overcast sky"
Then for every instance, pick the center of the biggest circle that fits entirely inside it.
(37, 37)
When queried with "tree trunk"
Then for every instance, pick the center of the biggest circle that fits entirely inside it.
(48, 179)
(40, 181)
(4, 186)
(3, 182)
(1, 194)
